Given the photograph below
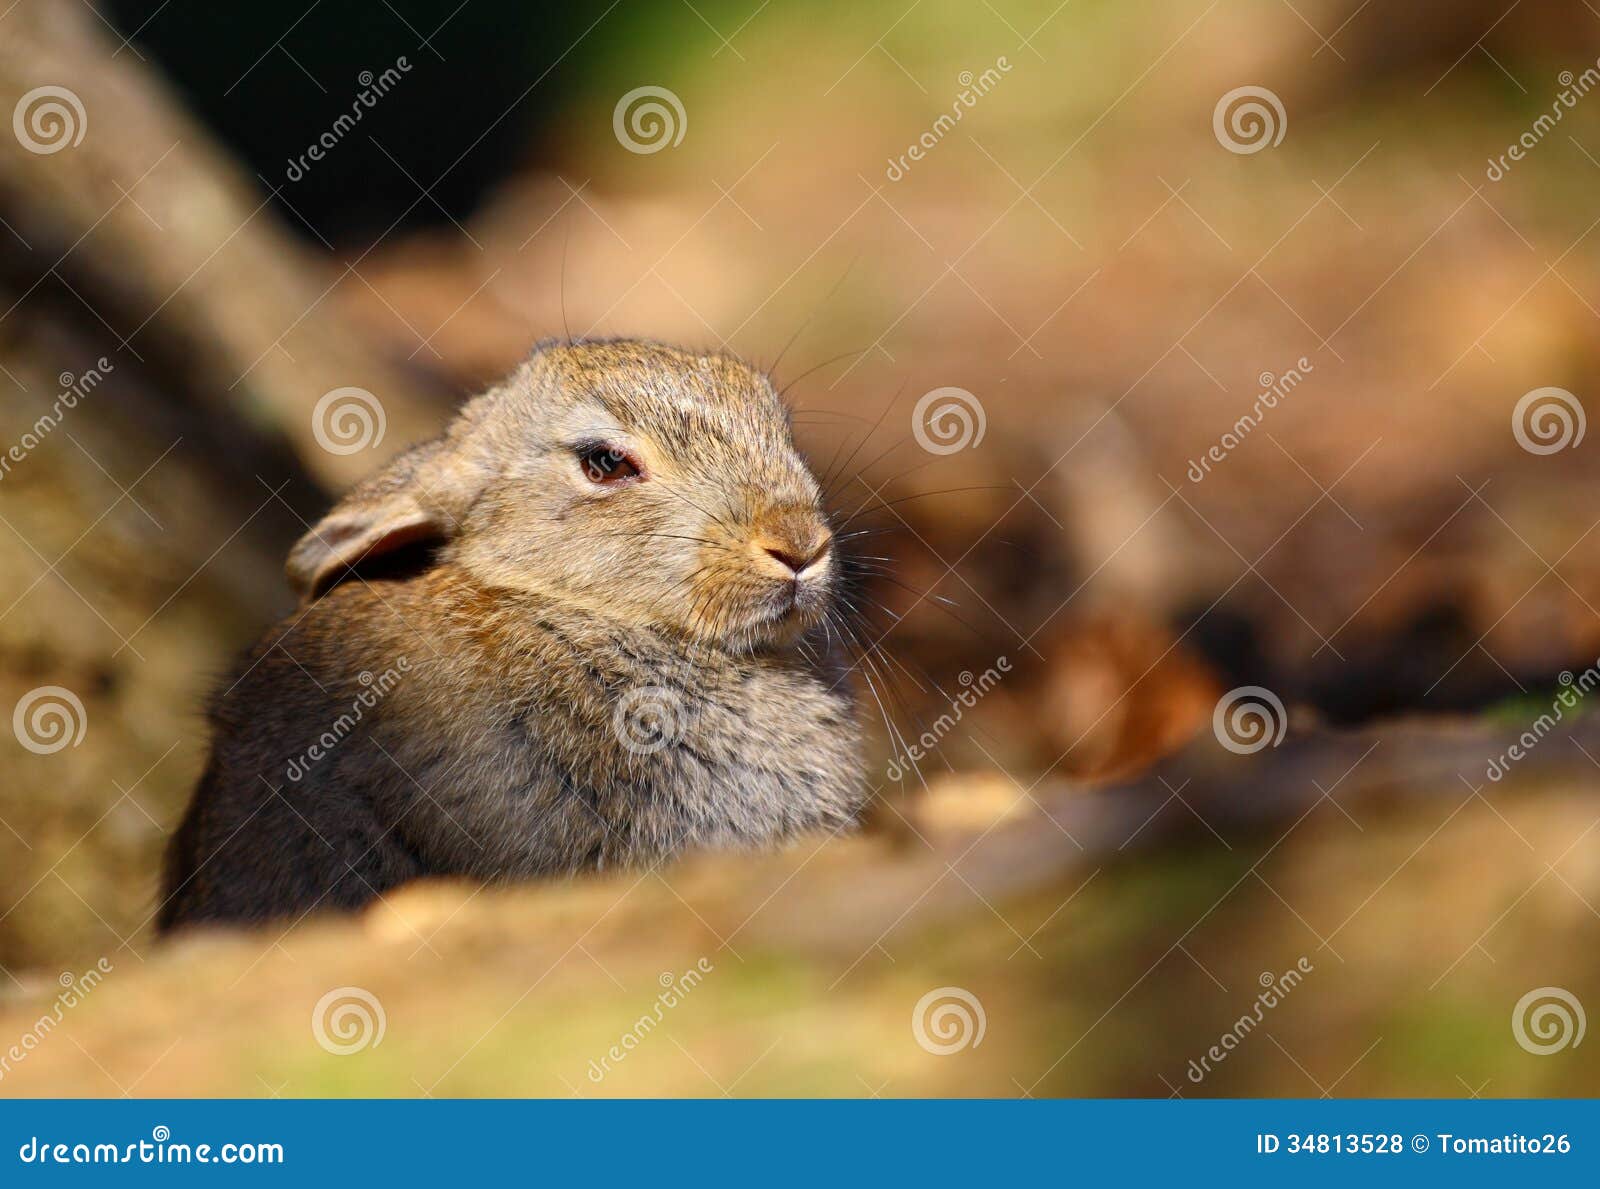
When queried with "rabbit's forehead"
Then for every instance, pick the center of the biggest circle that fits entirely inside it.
(690, 411)
(721, 444)
(709, 414)
(681, 422)
(638, 370)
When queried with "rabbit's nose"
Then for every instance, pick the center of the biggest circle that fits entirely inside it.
(798, 559)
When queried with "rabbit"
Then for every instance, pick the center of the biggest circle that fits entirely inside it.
(586, 628)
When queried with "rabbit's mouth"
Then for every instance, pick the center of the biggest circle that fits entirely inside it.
(790, 611)
(789, 579)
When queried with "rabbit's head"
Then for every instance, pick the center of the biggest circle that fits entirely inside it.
(643, 482)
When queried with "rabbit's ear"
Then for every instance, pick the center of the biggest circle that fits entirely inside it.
(418, 497)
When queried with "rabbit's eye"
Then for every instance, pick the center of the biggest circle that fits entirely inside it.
(606, 465)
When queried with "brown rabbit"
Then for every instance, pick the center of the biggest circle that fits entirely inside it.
(579, 630)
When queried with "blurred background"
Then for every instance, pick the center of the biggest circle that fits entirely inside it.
(1161, 352)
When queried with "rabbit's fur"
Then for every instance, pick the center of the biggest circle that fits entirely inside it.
(504, 667)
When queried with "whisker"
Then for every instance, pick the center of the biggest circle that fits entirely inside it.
(867, 437)
(921, 495)
(827, 297)
(860, 477)
(784, 391)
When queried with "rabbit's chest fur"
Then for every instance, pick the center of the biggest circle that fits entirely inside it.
(517, 737)
(586, 747)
